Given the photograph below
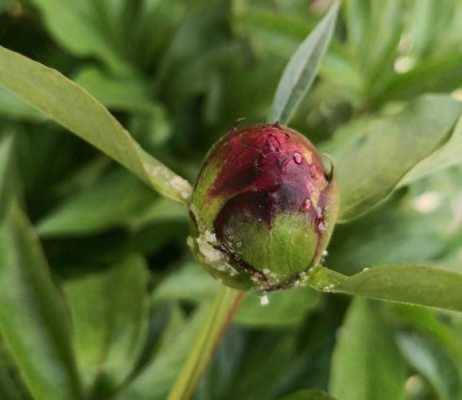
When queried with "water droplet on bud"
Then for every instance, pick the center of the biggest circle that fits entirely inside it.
(298, 158)
(307, 204)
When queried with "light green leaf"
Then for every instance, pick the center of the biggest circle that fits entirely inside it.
(285, 308)
(109, 313)
(33, 317)
(373, 157)
(12, 107)
(302, 69)
(426, 286)
(6, 172)
(73, 108)
(366, 363)
(125, 94)
(433, 363)
(76, 26)
(308, 395)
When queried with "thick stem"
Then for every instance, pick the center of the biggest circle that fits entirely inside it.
(221, 313)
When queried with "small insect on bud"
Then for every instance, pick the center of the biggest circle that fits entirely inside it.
(263, 208)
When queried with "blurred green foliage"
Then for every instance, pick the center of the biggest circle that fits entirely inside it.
(178, 74)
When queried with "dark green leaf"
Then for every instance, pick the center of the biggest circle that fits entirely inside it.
(433, 363)
(33, 317)
(109, 314)
(366, 363)
(308, 395)
(302, 69)
(76, 110)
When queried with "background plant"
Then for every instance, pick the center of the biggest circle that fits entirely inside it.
(100, 297)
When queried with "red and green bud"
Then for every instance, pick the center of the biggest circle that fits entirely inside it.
(263, 208)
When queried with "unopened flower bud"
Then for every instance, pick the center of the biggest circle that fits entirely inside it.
(263, 208)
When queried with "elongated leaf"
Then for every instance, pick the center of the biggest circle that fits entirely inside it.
(73, 108)
(366, 363)
(155, 381)
(109, 329)
(433, 363)
(372, 157)
(426, 286)
(302, 69)
(33, 319)
(89, 211)
(308, 395)
(75, 25)
(6, 172)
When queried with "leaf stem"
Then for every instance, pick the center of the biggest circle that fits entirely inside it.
(222, 311)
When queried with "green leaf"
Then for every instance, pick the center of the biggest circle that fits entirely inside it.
(34, 322)
(426, 286)
(12, 107)
(446, 156)
(155, 381)
(73, 108)
(285, 308)
(221, 313)
(76, 26)
(125, 94)
(366, 363)
(6, 173)
(89, 211)
(109, 313)
(190, 282)
(308, 395)
(373, 157)
(433, 363)
(302, 69)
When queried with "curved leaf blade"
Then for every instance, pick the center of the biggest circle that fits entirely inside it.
(374, 157)
(366, 363)
(109, 331)
(409, 284)
(34, 321)
(302, 68)
(76, 110)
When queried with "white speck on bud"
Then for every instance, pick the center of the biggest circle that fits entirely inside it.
(264, 300)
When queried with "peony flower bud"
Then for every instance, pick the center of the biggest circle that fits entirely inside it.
(263, 208)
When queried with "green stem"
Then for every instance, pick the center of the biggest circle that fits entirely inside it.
(220, 315)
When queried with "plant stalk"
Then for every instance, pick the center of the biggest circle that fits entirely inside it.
(221, 313)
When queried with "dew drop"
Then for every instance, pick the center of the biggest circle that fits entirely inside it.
(264, 300)
(322, 226)
(307, 204)
(298, 158)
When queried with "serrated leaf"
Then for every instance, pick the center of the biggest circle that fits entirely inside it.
(110, 330)
(308, 395)
(302, 69)
(372, 157)
(70, 106)
(366, 363)
(411, 284)
(34, 322)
